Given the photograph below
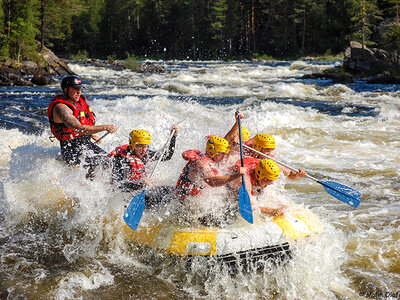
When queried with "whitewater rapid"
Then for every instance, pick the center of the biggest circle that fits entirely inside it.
(345, 133)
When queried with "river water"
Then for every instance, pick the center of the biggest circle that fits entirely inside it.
(345, 133)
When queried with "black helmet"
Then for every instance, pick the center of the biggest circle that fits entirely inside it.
(71, 81)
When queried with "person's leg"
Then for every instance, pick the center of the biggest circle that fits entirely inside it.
(96, 156)
(70, 152)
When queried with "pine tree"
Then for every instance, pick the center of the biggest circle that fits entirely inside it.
(366, 14)
(21, 19)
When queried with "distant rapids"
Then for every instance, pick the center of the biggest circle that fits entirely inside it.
(347, 133)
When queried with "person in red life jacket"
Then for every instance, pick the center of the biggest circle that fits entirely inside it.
(202, 169)
(129, 165)
(72, 122)
(265, 143)
(259, 174)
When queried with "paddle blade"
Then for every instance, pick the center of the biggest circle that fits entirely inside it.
(135, 209)
(344, 193)
(245, 205)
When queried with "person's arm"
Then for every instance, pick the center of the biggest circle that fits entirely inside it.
(275, 212)
(232, 134)
(219, 180)
(292, 175)
(171, 149)
(65, 115)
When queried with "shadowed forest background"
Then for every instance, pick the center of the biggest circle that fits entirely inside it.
(195, 29)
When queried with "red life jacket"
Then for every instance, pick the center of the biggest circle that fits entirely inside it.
(185, 186)
(81, 111)
(250, 163)
(138, 171)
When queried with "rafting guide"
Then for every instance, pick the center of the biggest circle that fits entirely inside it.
(72, 122)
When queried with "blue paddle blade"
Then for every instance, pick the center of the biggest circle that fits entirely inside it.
(344, 193)
(245, 205)
(135, 210)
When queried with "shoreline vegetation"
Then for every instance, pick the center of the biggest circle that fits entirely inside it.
(126, 34)
(28, 73)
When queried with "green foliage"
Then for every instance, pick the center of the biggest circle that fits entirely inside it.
(257, 56)
(190, 29)
(391, 42)
(365, 16)
(131, 62)
(21, 22)
(82, 55)
(111, 58)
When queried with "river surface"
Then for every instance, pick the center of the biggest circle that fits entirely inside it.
(348, 133)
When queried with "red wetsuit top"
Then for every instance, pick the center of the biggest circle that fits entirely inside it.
(185, 186)
(81, 111)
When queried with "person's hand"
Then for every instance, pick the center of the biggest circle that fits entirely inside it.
(301, 174)
(176, 128)
(239, 114)
(148, 181)
(110, 128)
(96, 138)
(242, 170)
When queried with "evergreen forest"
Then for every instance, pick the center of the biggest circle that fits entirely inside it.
(195, 29)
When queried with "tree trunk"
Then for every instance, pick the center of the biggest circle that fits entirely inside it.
(253, 31)
(42, 25)
(363, 31)
(303, 40)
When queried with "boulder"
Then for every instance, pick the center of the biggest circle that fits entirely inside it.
(54, 65)
(42, 80)
(151, 68)
(13, 72)
(11, 77)
(365, 60)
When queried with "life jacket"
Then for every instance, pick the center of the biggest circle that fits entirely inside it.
(250, 163)
(81, 111)
(185, 186)
(138, 171)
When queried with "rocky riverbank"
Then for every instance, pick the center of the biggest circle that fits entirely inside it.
(29, 73)
(370, 65)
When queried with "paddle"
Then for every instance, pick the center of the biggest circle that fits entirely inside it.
(342, 192)
(135, 209)
(244, 198)
(103, 136)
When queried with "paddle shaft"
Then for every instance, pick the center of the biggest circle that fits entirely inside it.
(278, 162)
(103, 136)
(241, 147)
(162, 153)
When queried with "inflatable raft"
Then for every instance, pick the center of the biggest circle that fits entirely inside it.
(240, 243)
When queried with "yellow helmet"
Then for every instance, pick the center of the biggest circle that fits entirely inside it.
(263, 140)
(245, 134)
(139, 136)
(216, 144)
(267, 168)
